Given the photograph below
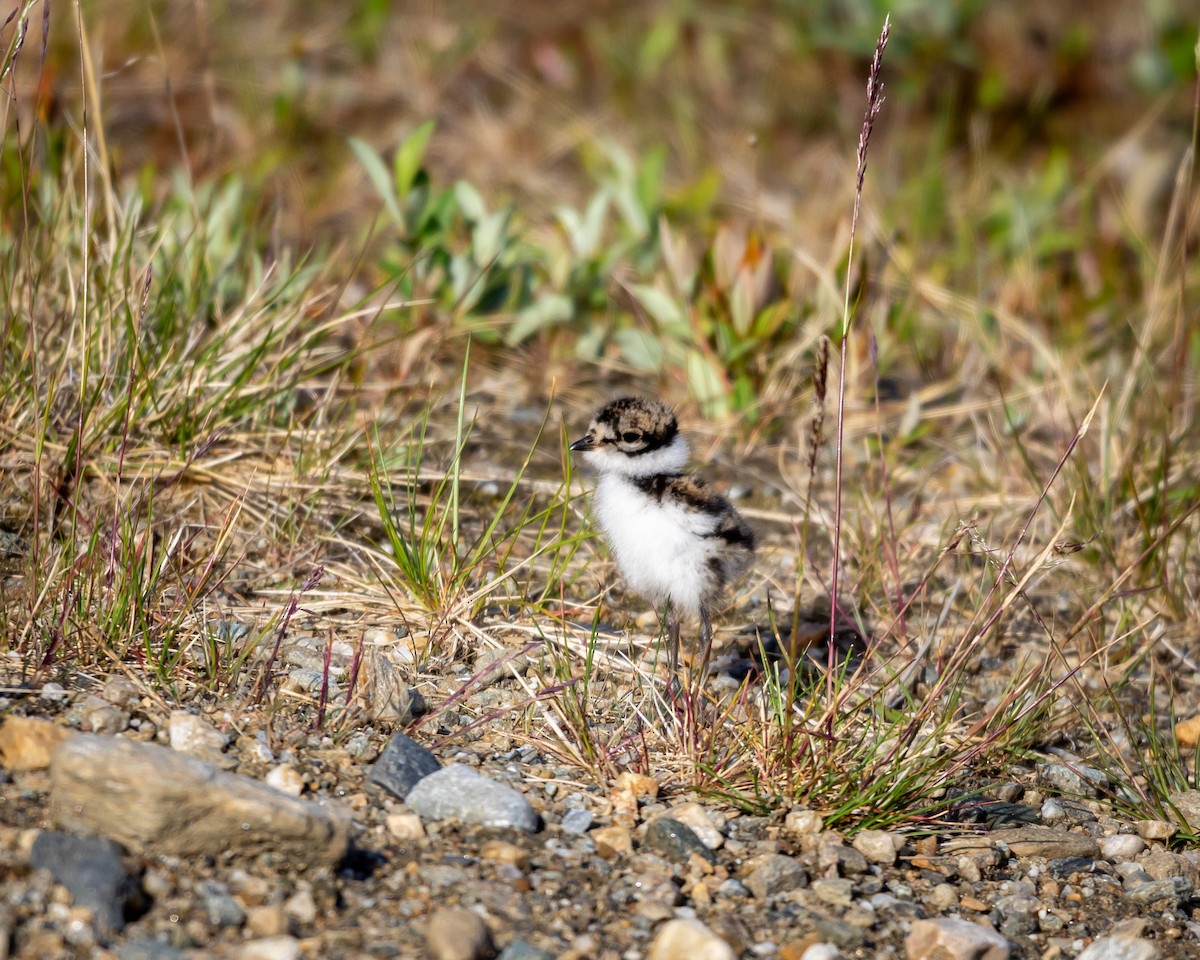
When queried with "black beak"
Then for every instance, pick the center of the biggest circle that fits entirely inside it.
(583, 443)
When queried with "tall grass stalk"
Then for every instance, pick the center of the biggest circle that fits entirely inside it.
(874, 105)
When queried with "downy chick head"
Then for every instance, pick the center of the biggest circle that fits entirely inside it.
(634, 437)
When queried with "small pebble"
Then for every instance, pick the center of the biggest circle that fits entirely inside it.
(1052, 811)
(270, 948)
(1120, 948)
(453, 933)
(286, 779)
(1122, 846)
(878, 846)
(577, 820)
(405, 826)
(688, 939)
(1155, 829)
(675, 841)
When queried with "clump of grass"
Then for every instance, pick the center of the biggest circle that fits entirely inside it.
(454, 561)
(147, 346)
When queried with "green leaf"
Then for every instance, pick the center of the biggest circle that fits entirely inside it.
(741, 303)
(378, 175)
(706, 384)
(409, 156)
(547, 310)
(663, 308)
(642, 349)
(470, 202)
(487, 239)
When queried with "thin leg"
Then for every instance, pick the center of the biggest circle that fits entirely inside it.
(706, 635)
(672, 640)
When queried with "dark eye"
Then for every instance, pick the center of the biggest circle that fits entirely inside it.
(631, 436)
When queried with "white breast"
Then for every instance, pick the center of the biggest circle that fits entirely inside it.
(661, 547)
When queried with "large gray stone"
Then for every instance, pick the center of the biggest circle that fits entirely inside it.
(460, 793)
(156, 801)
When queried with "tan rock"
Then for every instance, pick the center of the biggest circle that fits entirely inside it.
(878, 846)
(701, 822)
(457, 934)
(949, 939)
(1048, 842)
(688, 939)
(628, 788)
(194, 735)
(154, 800)
(27, 743)
(500, 851)
(266, 921)
(611, 842)
(405, 826)
(286, 779)
(1187, 732)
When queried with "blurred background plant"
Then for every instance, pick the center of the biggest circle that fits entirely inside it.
(516, 163)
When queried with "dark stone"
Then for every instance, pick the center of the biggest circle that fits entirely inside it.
(1066, 866)
(91, 869)
(676, 841)
(403, 763)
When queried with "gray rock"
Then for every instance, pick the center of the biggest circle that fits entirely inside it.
(223, 910)
(457, 934)
(1048, 842)
(841, 933)
(156, 801)
(147, 950)
(100, 716)
(1017, 915)
(1187, 805)
(402, 764)
(676, 841)
(1075, 780)
(91, 869)
(194, 735)
(773, 873)
(950, 939)
(1120, 948)
(837, 891)
(461, 793)
(520, 950)
(1053, 811)
(577, 820)
(1152, 891)
(878, 846)
(851, 862)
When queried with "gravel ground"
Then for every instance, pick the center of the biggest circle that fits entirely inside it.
(136, 831)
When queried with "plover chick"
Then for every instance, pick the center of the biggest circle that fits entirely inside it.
(676, 540)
